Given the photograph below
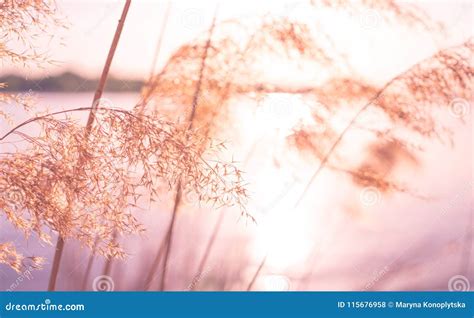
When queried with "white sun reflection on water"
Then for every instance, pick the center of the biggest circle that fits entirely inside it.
(283, 234)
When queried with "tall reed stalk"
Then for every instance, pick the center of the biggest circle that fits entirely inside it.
(191, 121)
(165, 248)
(90, 121)
(108, 265)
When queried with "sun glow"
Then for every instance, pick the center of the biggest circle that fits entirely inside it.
(285, 240)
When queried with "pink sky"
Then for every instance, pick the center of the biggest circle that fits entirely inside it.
(85, 43)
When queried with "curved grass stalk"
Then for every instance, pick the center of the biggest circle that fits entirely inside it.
(90, 121)
(152, 72)
(346, 129)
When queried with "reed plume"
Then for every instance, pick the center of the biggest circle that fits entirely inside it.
(125, 156)
(21, 22)
(409, 102)
(232, 63)
(232, 69)
(136, 152)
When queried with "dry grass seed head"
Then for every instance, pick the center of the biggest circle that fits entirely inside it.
(137, 152)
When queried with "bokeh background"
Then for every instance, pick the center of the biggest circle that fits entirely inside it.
(341, 236)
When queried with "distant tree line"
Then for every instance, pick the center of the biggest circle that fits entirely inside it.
(67, 82)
